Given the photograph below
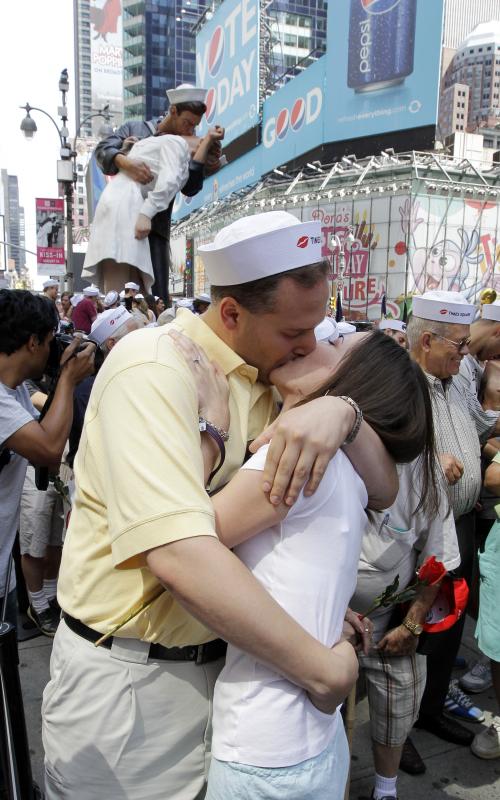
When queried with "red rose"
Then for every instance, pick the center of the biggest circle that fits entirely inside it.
(431, 571)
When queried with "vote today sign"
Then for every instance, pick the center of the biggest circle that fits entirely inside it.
(227, 65)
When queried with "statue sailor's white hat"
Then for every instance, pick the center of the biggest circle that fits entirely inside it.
(186, 93)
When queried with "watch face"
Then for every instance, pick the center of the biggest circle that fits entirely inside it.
(418, 629)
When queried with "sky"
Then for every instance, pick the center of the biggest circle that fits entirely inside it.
(36, 43)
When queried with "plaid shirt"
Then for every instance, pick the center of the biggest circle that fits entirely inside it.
(460, 423)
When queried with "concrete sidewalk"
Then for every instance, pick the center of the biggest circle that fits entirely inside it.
(452, 771)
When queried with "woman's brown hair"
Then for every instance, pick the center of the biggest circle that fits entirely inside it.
(393, 394)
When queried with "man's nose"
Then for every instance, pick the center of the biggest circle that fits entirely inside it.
(306, 344)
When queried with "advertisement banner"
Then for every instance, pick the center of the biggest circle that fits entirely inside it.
(227, 64)
(106, 55)
(293, 118)
(383, 66)
(50, 236)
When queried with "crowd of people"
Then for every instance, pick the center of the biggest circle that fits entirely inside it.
(211, 493)
(345, 490)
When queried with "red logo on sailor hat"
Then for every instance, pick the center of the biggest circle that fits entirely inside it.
(443, 311)
(216, 51)
(111, 322)
(303, 241)
(211, 104)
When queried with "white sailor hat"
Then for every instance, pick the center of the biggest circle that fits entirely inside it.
(442, 306)
(203, 297)
(91, 291)
(186, 93)
(327, 331)
(345, 328)
(111, 298)
(49, 283)
(107, 323)
(491, 311)
(76, 299)
(184, 302)
(132, 285)
(393, 325)
(139, 297)
(261, 245)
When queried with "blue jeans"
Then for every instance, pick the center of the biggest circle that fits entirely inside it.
(320, 778)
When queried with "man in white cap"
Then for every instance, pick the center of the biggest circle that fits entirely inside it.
(187, 106)
(131, 289)
(201, 302)
(142, 531)
(85, 311)
(395, 328)
(439, 336)
(111, 300)
(50, 289)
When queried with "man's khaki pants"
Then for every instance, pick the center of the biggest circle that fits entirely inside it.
(115, 728)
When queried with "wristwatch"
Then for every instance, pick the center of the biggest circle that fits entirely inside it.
(414, 627)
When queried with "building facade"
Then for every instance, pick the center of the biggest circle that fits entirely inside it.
(12, 259)
(461, 16)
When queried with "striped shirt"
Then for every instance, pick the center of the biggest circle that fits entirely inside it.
(460, 424)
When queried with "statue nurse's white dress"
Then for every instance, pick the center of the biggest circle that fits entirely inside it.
(113, 246)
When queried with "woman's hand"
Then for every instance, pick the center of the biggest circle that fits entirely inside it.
(360, 629)
(211, 383)
(216, 134)
(142, 227)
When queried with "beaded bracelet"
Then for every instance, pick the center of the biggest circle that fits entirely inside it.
(357, 422)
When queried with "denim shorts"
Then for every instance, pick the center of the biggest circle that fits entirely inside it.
(320, 778)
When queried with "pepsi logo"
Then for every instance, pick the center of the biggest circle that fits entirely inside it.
(216, 51)
(282, 122)
(302, 241)
(298, 114)
(443, 311)
(379, 6)
(211, 104)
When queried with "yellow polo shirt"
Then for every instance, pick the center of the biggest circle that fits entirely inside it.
(139, 478)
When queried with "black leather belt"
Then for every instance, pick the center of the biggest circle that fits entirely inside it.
(200, 654)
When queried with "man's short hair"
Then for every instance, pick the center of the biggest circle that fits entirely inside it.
(417, 326)
(23, 314)
(195, 108)
(259, 297)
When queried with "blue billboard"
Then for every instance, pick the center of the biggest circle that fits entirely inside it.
(293, 118)
(227, 64)
(383, 66)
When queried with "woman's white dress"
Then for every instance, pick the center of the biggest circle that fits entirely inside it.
(123, 199)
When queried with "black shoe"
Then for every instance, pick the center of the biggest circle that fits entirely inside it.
(46, 621)
(446, 729)
(411, 761)
(386, 797)
(55, 606)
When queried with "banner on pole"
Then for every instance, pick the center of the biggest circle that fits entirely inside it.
(50, 236)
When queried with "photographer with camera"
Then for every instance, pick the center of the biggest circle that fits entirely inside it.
(27, 328)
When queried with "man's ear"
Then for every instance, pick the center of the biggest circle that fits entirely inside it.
(33, 343)
(230, 312)
(173, 111)
(425, 341)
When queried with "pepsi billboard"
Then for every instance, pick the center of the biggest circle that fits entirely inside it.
(387, 77)
(227, 64)
(293, 118)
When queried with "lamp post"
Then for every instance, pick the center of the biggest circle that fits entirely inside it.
(66, 164)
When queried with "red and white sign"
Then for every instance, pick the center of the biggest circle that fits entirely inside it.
(50, 236)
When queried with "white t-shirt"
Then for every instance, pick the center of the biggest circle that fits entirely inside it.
(308, 563)
(16, 410)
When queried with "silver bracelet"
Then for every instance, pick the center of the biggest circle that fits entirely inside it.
(202, 423)
(357, 422)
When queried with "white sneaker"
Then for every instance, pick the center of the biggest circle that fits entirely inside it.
(487, 743)
(477, 679)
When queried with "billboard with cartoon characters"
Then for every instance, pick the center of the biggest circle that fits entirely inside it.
(405, 245)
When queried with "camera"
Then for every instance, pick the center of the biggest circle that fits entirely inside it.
(57, 347)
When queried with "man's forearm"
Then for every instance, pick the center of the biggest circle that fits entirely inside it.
(216, 588)
(422, 602)
(373, 463)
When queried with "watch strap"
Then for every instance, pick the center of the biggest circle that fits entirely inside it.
(412, 626)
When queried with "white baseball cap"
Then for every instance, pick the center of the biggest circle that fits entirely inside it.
(107, 323)
(261, 245)
(442, 306)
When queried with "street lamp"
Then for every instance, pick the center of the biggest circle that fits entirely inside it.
(66, 165)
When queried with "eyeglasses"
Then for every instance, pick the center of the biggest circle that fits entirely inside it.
(459, 345)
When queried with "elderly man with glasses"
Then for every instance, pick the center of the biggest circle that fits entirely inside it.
(439, 336)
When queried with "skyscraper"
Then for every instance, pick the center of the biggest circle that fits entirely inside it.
(470, 98)
(461, 16)
(159, 52)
